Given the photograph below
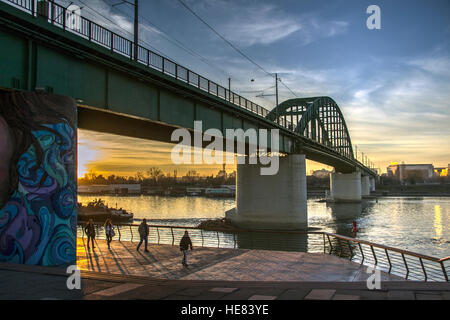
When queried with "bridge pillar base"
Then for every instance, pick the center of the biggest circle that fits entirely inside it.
(372, 184)
(271, 201)
(365, 186)
(345, 187)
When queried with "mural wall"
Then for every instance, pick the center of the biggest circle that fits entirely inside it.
(38, 198)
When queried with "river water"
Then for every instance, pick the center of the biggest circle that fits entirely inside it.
(416, 224)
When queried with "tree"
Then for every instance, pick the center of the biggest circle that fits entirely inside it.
(154, 173)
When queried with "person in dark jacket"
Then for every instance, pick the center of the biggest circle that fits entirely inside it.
(185, 243)
(89, 229)
(109, 231)
(143, 233)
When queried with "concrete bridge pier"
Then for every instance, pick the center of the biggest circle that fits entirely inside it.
(345, 187)
(372, 184)
(365, 186)
(271, 201)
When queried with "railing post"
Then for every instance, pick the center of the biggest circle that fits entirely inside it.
(33, 2)
(198, 77)
(201, 231)
(406, 266)
(444, 271)
(148, 58)
(323, 236)
(52, 12)
(350, 248)
(162, 67)
(234, 239)
(112, 41)
(131, 51)
(374, 256)
(362, 252)
(131, 230)
(187, 75)
(209, 86)
(173, 237)
(118, 230)
(423, 269)
(331, 246)
(157, 230)
(340, 247)
(389, 260)
(64, 18)
(176, 71)
(218, 239)
(90, 30)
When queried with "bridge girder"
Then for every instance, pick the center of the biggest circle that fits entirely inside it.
(317, 118)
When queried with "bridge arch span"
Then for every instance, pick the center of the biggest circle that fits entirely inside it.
(317, 118)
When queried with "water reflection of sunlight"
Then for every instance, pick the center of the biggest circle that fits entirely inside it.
(437, 221)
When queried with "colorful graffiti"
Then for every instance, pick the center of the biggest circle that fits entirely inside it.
(37, 179)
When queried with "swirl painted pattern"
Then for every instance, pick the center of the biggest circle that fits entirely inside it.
(38, 223)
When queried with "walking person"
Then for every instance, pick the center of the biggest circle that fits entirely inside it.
(89, 229)
(143, 233)
(109, 231)
(185, 243)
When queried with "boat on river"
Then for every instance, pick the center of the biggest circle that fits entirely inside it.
(98, 211)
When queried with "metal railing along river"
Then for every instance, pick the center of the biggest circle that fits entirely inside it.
(403, 263)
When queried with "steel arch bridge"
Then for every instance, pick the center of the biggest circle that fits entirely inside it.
(317, 118)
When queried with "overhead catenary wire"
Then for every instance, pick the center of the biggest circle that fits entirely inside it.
(231, 44)
(129, 33)
(172, 39)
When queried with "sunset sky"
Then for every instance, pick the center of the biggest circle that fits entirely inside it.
(392, 85)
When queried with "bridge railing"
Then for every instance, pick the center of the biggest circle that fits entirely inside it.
(399, 262)
(72, 21)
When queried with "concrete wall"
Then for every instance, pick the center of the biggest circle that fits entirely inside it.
(272, 202)
(38, 194)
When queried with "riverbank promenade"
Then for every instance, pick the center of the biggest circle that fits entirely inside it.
(213, 274)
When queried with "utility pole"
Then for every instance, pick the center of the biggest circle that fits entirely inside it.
(276, 96)
(136, 29)
(136, 25)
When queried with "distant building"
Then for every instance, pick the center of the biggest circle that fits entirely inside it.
(111, 189)
(442, 171)
(410, 172)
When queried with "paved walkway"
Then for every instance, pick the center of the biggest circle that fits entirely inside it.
(164, 262)
(214, 274)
